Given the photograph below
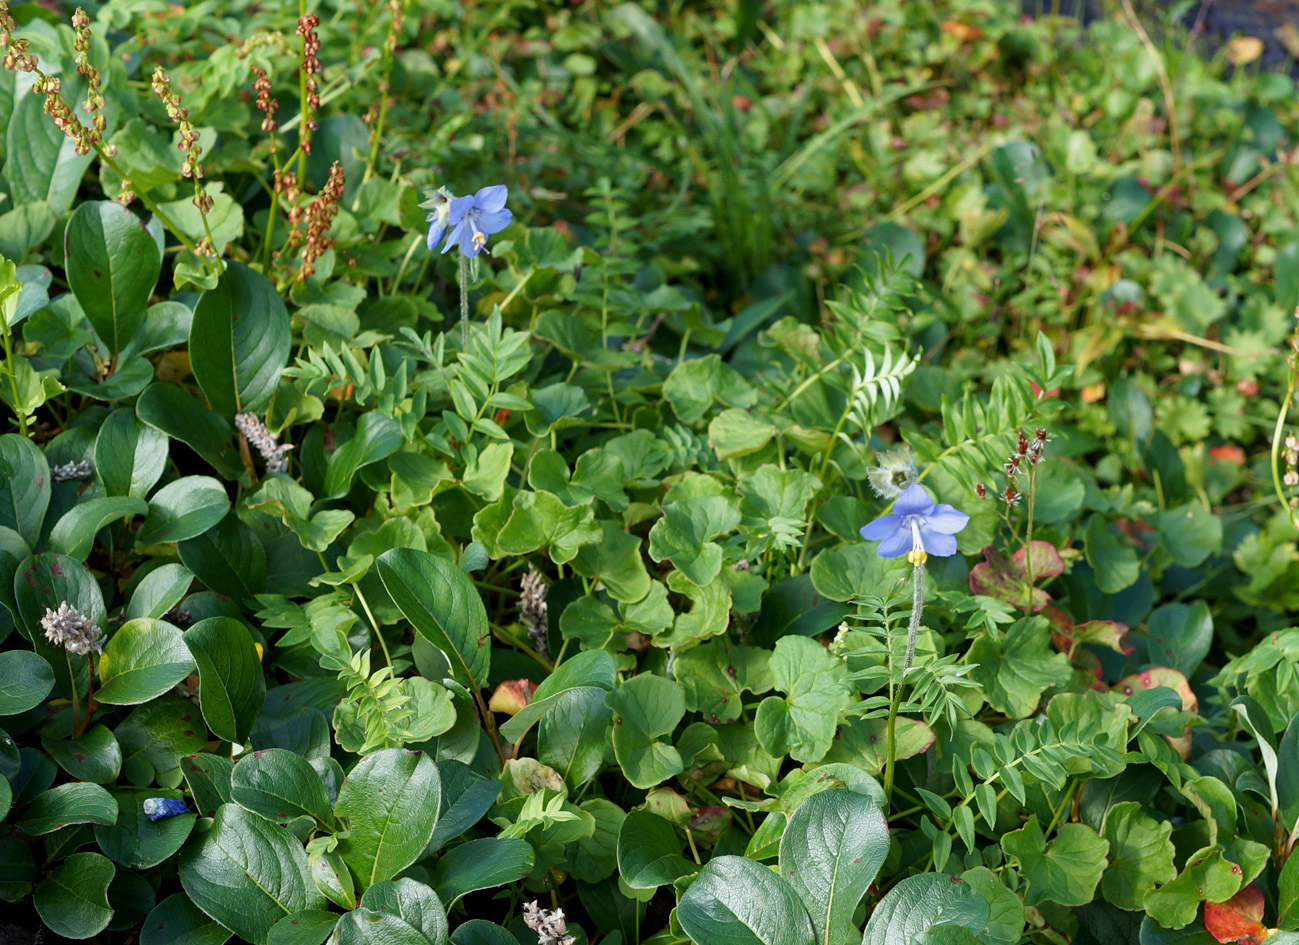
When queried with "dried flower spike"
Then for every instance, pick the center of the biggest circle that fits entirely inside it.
(75, 470)
(71, 629)
(550, 926)
(265, 442)
(533, 610)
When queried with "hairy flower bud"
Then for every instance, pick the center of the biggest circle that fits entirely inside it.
(71, 629)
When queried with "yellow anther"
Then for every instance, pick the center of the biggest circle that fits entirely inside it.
(917, 556)
(480, 240)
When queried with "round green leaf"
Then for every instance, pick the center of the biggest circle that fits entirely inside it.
(481, 932)
(442, 604)
(303, 928)
(413, 903)
(25, 680)
(589, 669)
(924, 902)
(177, 921)
(73, 900)
(171, 410)
(183, 509)
(481, 864)
(94, 757)
(649, 852)
(367, 927)
(136, 841)
(391, 800)
(835, 843)
(232, 686)
(229, 559)
(112, 264)
(130, 456)
(74, 533)
(239, 341)
(247, 873)
(280, 785)
(143, 660)
(159, 591)
(24, 487)
(73, 803)
(736, 901)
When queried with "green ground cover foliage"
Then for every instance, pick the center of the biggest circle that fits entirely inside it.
(439, 437)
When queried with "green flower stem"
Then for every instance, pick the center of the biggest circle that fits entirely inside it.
(1278, 435)
(13, 378)
(895, 688)
(158, 212)
(464, 301)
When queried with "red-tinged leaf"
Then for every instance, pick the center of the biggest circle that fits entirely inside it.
(1108, 633)
(1239, 919)
(1007, 579)
(511, 696)
(1153, 679)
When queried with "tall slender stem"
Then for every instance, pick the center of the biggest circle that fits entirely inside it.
(895, 685)
(464, 301)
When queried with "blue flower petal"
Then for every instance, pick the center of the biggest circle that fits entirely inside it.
(946, 519)
(936, 543)
(457, 235)
(494, 221)
(913, 501)
(896, 545)
(491, 199)
(467, 245)
(459, 207)
(435, 234)
(881, 528)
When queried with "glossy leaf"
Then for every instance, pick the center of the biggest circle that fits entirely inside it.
(390, 800)
(247, 873)
(443, 606)
(182, 509)
(112, 265)
(144, 659)
(73, 900)
(232, 686)
(280, 786)
(735, 901)
(239, 341)
(74, 533)
(831, 850)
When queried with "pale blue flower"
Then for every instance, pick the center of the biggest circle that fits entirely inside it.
(917, 528)
(473, 219)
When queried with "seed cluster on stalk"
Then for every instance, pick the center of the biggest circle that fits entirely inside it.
(319, 217)
(19, 58)
(189, 137)
(1027, 454)
(310, 69)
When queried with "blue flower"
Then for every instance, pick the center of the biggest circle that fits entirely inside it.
(473, 219)
(160, 808)
(918, 527)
